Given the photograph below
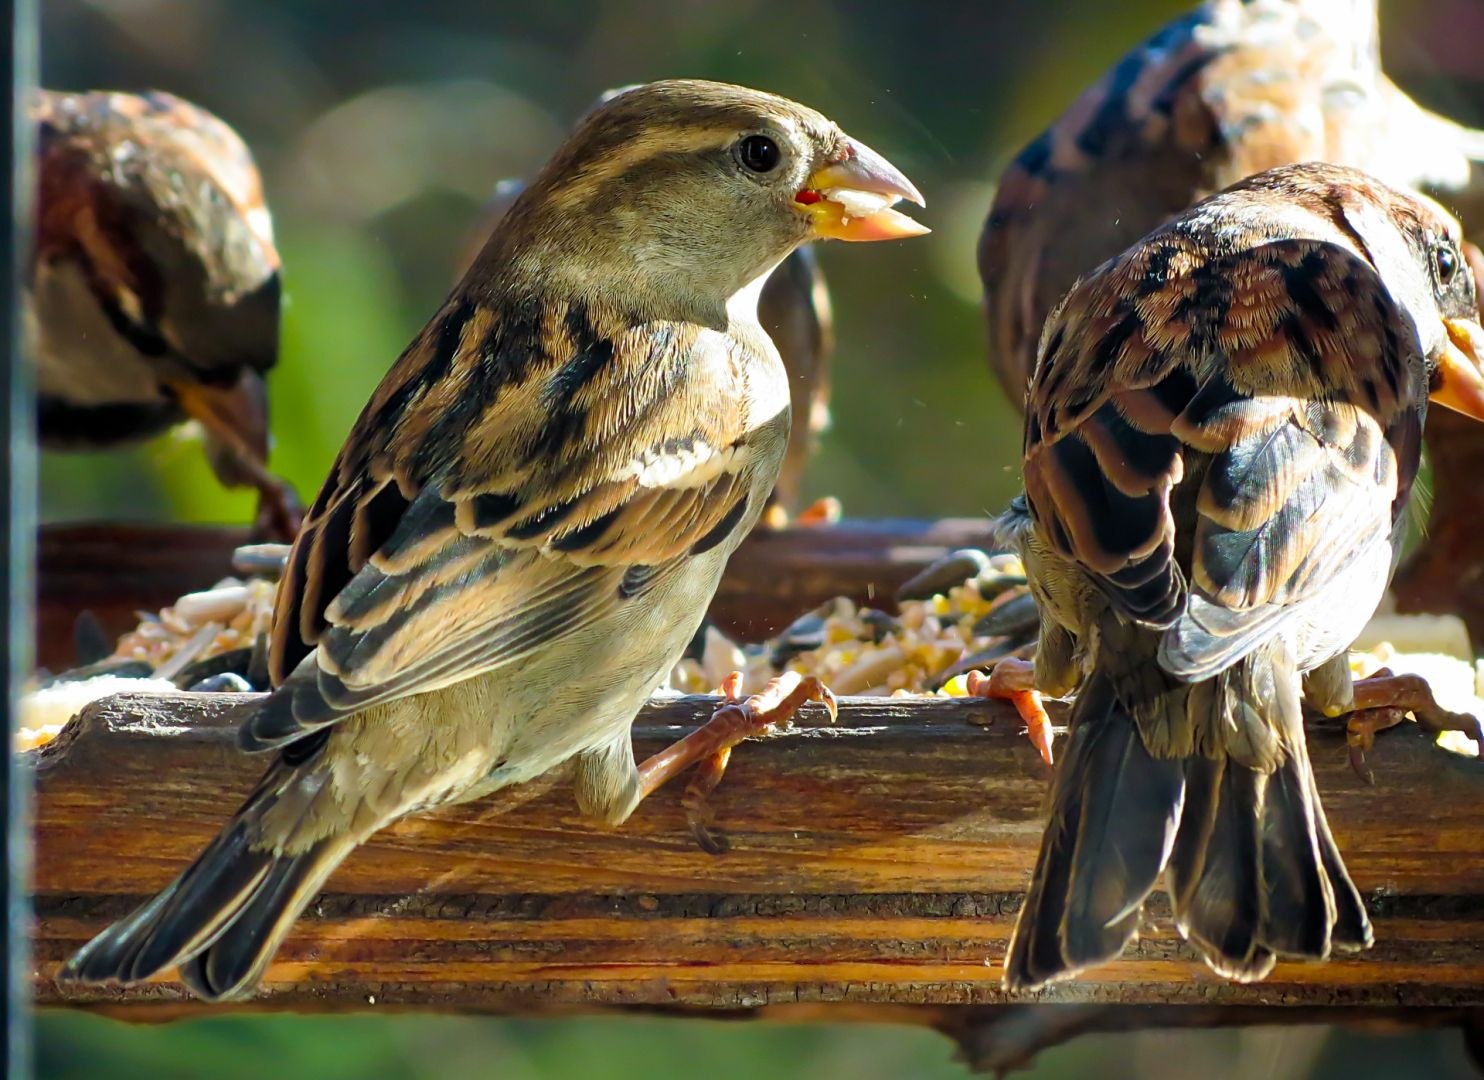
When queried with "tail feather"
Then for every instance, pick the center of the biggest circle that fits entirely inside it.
(1035, 956)
(228, 910)
(1113, 817)
(1352, 929)
(1233, 818)
(1130, 813)
(231, 964)
(1298, 905)
(1216, 885)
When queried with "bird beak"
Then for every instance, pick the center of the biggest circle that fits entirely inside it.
(236, 416)
(850, 198)
(1459, 381)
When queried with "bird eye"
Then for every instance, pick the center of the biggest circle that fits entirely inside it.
(1446, 261)
(759, 153)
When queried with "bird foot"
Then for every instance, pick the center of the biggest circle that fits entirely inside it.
(1013, 680)
(709, 747)
(825, 511)
(1384, 700)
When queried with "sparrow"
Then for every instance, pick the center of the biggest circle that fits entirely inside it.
(1223, 429)
(529, 519)
(153, 293)
(794, 308)
(1231, 89)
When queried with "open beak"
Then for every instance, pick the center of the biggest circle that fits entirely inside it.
(1459, 381)
(851, 197)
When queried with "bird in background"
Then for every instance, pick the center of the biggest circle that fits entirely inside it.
(1229, 90)
(1223, 430)
(526, 524)
(153, 293)
(794, 308)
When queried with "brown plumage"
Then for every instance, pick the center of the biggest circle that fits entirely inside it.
(1222, 434)
(794, 309)
(1236, 87)
(528, 520)
(154, 289)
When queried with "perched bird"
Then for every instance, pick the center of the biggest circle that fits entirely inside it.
(1235, 87)
(528, 520)
(1222, 433)
(794, 309)
(154, 287)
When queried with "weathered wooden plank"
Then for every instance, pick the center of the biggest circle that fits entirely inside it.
(876, 863)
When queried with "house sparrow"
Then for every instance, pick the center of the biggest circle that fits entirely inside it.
(531, 515)
(794, 309)
(154, 288)
(1222, 433)
(1236, 87)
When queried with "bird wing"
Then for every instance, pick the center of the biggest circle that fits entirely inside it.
(1214, 96)
(1215, 440)
(520, 473)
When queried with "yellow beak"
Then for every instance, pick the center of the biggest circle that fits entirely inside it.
(1460, 376)
(850, 198)
(236, 416)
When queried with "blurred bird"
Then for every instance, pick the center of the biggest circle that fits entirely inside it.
(794, 308)
(154, 288)
(1222, 433)
(530, 517)
(1236, 87)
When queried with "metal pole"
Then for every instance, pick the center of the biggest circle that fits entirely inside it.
(18, 537)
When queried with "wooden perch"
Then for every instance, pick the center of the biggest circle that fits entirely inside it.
(876, 868)
(115, 571)
(875, 871)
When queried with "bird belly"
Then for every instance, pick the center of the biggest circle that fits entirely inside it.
(506, 726)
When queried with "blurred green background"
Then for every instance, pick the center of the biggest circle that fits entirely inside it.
(381, 126)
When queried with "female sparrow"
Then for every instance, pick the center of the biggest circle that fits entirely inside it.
(154, 284)
(1222, 433)
(531, 515)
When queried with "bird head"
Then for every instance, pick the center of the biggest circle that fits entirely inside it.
(1430, 269)
(704, 186)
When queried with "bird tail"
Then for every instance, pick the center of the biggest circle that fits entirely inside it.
(223, 918)
(1253, 871)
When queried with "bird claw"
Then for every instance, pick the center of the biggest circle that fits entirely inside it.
(709, 747)
(821, 512)
(1385, 700)
(1013, 680)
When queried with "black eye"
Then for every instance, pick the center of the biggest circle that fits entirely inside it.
(759, 153)
(1446, 260)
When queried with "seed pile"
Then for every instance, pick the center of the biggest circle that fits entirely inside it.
(964, 612)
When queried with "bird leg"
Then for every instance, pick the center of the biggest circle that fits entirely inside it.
(1384, 700)
(280, 513)
(1014, 680)
(709, 747)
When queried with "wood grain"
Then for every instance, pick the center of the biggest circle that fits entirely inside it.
(877, 863)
